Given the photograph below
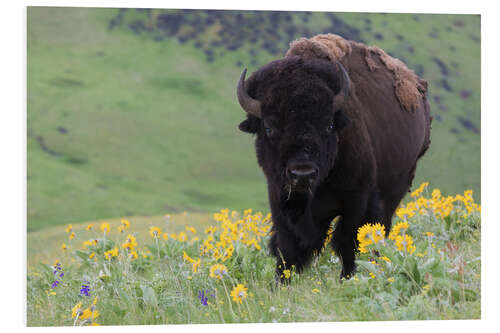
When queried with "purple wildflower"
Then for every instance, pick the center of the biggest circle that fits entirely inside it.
(85, 289)
(57, 267)
(57, 271)
(203, 299)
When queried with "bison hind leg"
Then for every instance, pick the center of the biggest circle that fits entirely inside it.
(391, 202)
(360, 208)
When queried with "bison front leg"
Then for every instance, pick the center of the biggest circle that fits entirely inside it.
(290, 252)
(344, 240)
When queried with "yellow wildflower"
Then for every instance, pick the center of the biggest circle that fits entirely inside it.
(77, 310)
(92, 255)
(90, 227)
(239, 293)
(105, 227)
(130, 242)
(206, 246)
(315, 290)
(133, 255)
(111, 253)
(228, 253)
(210, 229)
(378, 231)
(155, 232)
(87, 243)
(187, 258)
(329, 235)
(196, 265)
(399, 229)
(419, 190)
(64, 246)
(69, 228)
(182, 237)
(193, 230)
(365, 234)
(405, 243)
(125, 223)
(370, 234)
(287, 273)
(406, 212)
(90, 313)
(71, 235)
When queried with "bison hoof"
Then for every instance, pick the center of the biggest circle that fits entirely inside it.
(346, 274)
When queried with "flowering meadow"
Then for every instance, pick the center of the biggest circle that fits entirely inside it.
(426, 267)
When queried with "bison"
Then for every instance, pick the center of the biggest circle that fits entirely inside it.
(339, 129)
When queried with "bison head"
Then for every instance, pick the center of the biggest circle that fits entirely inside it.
(294, 106)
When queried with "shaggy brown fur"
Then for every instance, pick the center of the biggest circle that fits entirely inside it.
(408, 87)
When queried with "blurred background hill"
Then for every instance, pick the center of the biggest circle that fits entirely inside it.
(133, 112)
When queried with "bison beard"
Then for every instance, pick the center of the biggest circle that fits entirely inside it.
(339, 129)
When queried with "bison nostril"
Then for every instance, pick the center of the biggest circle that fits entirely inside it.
(302, 172)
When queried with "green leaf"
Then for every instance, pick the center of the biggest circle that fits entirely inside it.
(81, 254)
(447, 221)
(416, 273)
(118, 311)
(123, 295)
(149, 296)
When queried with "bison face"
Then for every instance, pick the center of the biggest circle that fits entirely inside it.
(294, 107)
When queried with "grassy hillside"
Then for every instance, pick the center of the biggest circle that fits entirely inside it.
(429, 267)
(134, 112)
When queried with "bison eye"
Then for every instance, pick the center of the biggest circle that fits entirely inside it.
(330, 127)
(269, 131)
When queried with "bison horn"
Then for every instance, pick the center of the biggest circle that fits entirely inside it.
(250, 105)
(345, 86)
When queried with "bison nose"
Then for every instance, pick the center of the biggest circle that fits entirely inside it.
(300, 172)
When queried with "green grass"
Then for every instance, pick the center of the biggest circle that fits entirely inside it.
(151, 127)
(45, 245)
(143, 140)
(439, 279)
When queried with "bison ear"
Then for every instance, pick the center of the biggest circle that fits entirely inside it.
(249, 125)
(341, 120)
